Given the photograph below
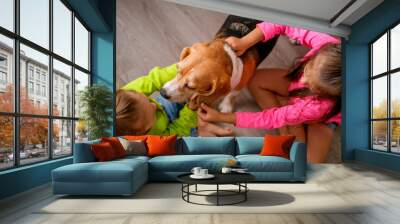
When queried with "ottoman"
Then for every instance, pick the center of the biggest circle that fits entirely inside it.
(118, 177)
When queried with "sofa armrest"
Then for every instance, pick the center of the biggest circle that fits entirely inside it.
(83, 152)
(298, 155)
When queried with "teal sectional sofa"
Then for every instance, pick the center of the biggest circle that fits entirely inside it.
(125, 176)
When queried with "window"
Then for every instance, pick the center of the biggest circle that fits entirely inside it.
(38, 89)
(44, 91)
(48, 78)
(6, 142)
(7, 89)
(62, 137)
(38, 74)
(3, 81)
(81, 81)
(3, 72)
(3, 61)
(62, 75)
(33, 148)
(62, 29)
(30, 87)
(30, 72)
(3, 78)
(385, 94)
(7, 14)
(81, 45)
(34, 21)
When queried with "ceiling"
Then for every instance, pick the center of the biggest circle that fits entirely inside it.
(329, 16)
(321, 9)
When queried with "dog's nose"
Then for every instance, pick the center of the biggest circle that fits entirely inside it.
(164, 94)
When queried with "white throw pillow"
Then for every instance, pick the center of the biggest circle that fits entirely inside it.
(134, 147)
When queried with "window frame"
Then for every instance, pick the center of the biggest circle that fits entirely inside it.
(16, 115)
(388, 74)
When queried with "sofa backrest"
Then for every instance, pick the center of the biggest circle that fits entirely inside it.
(249, 145)
(83, 152)
(191, 146)
(207, 145)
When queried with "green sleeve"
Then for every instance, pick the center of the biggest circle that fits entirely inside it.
(181, 126)
(154, 81)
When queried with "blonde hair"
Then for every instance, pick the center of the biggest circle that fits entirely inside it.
(327, 63)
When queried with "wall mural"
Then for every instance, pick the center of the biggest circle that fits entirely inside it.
(192, 72)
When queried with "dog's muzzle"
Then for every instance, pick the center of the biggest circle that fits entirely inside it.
(164, 94)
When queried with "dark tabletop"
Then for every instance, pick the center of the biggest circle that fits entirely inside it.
(220, 178)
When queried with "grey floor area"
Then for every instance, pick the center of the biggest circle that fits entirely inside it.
(153, 32)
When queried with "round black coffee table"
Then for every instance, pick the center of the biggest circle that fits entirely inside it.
(238, 179)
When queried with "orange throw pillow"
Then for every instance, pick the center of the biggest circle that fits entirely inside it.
(277, 145)
(116, 145)
(135, 137)
(103, 151)
(161, 145)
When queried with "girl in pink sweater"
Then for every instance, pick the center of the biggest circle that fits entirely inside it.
(308, 94)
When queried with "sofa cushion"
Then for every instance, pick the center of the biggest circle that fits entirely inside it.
(113, 171)
(208, 145)
(277, 145)
(103, 152)
(185, 163)
(116, 145)
(257, 163)
(249, 145)
(161, 145)
(134, 147)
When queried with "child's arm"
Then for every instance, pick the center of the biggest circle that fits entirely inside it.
(183, 124)
(308, 38)
(265, 31)
(301, 111)
(154, 81)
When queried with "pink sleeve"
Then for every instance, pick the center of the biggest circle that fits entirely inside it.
(310, 39)
(302, 110)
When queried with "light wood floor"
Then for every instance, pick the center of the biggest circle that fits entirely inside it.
(378, 189)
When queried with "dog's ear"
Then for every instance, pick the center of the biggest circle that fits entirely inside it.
(203, 97)
(185, 52)
(194, 102)
(211, 90)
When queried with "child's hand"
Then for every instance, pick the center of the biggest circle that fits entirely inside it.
(237, 45)
(208, 114)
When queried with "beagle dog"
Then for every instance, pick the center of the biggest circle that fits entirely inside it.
(211, 73)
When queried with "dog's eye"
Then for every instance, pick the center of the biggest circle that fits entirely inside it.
(189, 87)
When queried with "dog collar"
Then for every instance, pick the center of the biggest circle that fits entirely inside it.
(237, 66)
